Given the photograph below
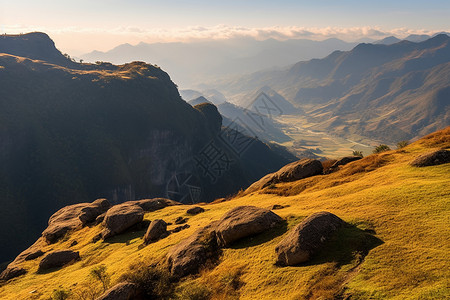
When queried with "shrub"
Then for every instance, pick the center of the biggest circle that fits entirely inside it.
(99, 273)
(153, 282)
(358, 153)
(402, 144)
(60, 294)
(381, 148)
(193, 291)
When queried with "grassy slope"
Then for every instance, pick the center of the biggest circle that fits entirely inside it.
(407, 207)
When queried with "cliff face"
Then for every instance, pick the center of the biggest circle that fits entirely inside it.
(72, 132)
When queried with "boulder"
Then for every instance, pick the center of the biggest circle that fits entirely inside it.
(294, 171)
(244, 221)
(434, 158)
(190, 254)
(344, 160)
(180, 220)
(195, 210)
(12, 272)
(72, 217)
(157, 230)
(121, 291)
(89, 213)
(179, 228)
(153, 204)
(34, 255)
(58, 259)
(307, 238)
(121, 217)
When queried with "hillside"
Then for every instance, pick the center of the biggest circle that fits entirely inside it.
(385, 92)
(72, 132)
(394, 246)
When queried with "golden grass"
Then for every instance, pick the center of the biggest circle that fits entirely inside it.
(408, 209)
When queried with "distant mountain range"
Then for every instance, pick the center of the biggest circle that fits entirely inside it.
(72, 132)
(195, 63)
(385, 92)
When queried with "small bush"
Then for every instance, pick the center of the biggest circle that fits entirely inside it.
(402, 144)
(193, 291)
(357, 153)
(60, 294)
(153, 282)
(381, 148)
(99, 273)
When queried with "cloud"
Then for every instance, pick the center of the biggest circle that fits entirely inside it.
(106, 38)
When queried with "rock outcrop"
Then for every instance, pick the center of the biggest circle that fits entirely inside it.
(121, 217)
(438, 157)
(156, 230)
(294, 171)
(73, 217)
(121, 291)
(243, 221)
(307, 238)
(190, 254)
(58, 259)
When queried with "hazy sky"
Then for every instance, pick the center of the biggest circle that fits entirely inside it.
(82, 26)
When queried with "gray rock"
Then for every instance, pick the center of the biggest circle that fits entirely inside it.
(434, 158)
(244, 221)
(294, 171)
(58, 259)
(307, 238)
(121, 217)
(156, 231)
(89, 213)
(121, 291)
(34, 255)
(191, 253)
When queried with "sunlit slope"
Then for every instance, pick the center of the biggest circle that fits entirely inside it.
(398, 247)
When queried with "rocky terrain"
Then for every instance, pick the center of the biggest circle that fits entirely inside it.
(373, 227)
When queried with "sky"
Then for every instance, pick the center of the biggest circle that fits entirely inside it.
(81, 26)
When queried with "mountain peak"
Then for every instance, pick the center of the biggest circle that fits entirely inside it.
(34, 45)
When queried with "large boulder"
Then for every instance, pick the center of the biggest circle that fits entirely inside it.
(73, 217)
(307, 238)
(190, 254)
(294, 171)
(156, 230)
(121, 291)
(58, 259)
(12, 272)
(344, 160)
(434, 158)
(121, 217)
(243, 221)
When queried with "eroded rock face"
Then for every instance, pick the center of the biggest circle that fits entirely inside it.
(58, 259)
(243, 221)
(157, 230)
(12, 272)
(121, 217)
(438, 157)
(345, 160)
(307, 238)
(121, 291)
(294, 171)
(190, 254)
(73, 217)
